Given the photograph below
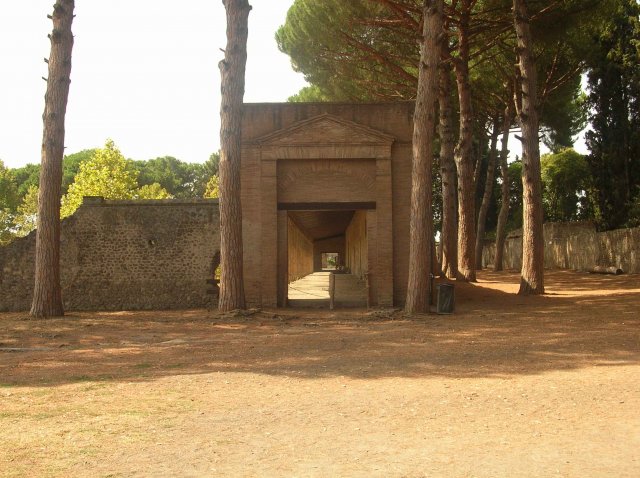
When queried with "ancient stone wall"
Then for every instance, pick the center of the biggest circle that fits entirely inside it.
(119, 255)
(575, 246)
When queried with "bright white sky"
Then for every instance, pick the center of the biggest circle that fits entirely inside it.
(145, 73)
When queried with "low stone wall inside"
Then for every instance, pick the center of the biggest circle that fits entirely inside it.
(575, 246)
(124, 255)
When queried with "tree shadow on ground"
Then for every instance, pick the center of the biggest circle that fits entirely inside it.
(585, 321)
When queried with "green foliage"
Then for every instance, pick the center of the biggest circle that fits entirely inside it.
(152, 191)
(29, 175)
(566, 179)
(367, 50)
(207, 172)
(563, 36)
(26, 176)
(176, 177)
(107, 174)
(564, 116)
(9, 197)
(213, 188)
(204, 174)
(212, 166)
(26, 219)
(614, 101)
(6, 226)
(71, 166)
(309, 94)
(9, 200)
(356, 50)
(634, 212)
(514, 220)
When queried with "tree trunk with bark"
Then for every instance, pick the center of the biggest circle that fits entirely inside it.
(477, 150)
(449, 237)
(488, 190)
(503, 215)
(463, 154)
(47, 292)
(532, 275)
(421, 221)
(232, 69)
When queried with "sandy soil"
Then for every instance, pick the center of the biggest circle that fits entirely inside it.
(508, 386)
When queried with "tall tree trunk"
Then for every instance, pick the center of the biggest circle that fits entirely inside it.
(532, 275)
(449, 237)
(477, 151)
(421, 222)
(232, 69)
(47, 292)
(463, 154)
(488, 190)
(501, 230)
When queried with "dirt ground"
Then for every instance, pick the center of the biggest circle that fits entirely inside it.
(508, 386)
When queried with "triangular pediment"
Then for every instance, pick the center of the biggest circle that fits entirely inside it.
(326, 129)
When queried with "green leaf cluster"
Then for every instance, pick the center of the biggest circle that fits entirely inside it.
(9, 196)
(514, 220)
(356, 50)
(309, 94)
(108, 174)
(152, 191)
(614, 101)
(180, 179)
(9, 200)
(213, 188)
(566, 180)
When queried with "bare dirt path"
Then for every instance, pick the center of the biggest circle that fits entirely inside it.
(508, 386)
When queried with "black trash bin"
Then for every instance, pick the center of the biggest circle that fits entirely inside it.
(446, 299)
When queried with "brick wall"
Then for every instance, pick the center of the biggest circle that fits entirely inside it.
(119, 255)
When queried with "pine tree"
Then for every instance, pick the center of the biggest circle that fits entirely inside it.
(614, 100)
(47, 293)
(232, 69)
(424, 119)
(532, 274)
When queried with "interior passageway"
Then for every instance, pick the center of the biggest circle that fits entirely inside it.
(315, 235)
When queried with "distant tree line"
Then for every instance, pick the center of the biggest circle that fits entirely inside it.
(101, 172)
